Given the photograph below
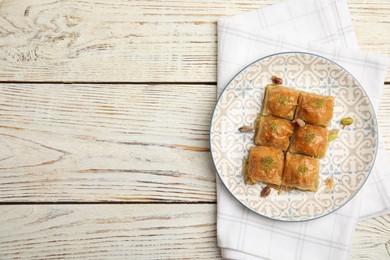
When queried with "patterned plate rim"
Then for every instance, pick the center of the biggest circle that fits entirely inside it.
(211, 135)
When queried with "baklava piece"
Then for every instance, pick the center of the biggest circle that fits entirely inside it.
(280, 101)
(273, 131)
(301, 172)
(315, 109)
(265, 164)
(310, 140)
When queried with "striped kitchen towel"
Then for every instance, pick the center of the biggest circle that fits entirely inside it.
(322, 27)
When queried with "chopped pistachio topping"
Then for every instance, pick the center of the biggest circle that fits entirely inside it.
(273, 127)
(282, 100)
(309, 137)
(266, 163)
(319, 104)
(302, 168)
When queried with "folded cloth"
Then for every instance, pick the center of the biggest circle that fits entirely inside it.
(322, 27)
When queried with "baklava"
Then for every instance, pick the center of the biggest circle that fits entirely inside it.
(273, 131)
(310, 140)
(280, 101)
(315, 109)
(265, 164)
(301, 172)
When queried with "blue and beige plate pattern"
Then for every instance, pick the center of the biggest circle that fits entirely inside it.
(349, 158)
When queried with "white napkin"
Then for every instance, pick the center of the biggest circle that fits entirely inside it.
(322, 27)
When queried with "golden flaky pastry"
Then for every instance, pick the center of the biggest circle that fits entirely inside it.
(310, 140)
(273, 131)
(315, 109)
(301, 172)
(264, 164)
(280, 101)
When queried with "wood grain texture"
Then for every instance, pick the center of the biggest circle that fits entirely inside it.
(106, 142)
(136, 41)
(383, 117)
(372, 239)
(125, 142)
(137, 231)
(121, 231)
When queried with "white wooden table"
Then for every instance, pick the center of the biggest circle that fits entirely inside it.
(104, 124)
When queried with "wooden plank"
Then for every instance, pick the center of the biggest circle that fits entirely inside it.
(120, 231)
(106, 142)
(136, 41)
(137, 231)
(372, 239)
(383, 117)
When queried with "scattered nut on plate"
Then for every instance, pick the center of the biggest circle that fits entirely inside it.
(265, 192)
(246, 129)
(277, 80)
(298, 122)
(346, 121)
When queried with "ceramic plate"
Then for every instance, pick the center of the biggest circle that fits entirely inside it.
(349, 158)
